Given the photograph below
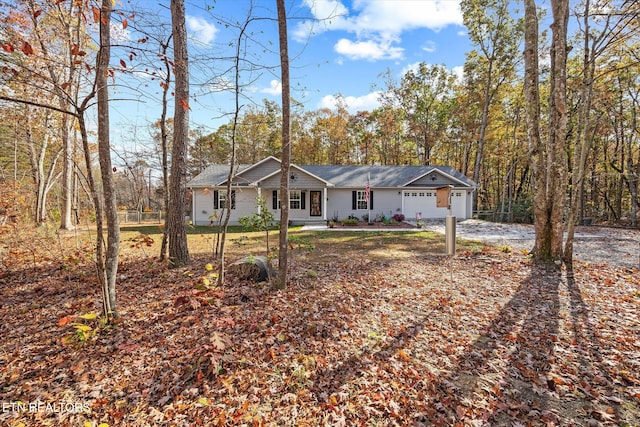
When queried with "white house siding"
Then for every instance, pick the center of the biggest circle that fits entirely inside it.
(386, 202)
(203, 207)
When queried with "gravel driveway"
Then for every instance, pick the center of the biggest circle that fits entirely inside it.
(615, 246)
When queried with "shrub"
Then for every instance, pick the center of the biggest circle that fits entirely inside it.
(398, 217)
(349, 221)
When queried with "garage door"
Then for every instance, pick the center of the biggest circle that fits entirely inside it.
(421, 202)
(424, 202)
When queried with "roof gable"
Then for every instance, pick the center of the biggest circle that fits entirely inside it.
(350, 176)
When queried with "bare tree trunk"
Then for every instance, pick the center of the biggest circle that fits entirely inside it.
(178, 249)
(165, 149)
(532, 108)
(226, 212)
(63, 101)
(283, 256)
(104, 154)
(584, 139)
(558, 123)
(548, 161)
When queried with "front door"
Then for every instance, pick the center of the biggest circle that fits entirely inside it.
(316, 203)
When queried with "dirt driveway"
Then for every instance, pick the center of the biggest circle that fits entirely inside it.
(615, 246)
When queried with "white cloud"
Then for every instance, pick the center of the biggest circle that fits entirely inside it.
(354, 104)
(410, 67)
(275, 88)
(391, 17)
(377, 24)
(369, 50)
(459, 72)
(429, 46)
(201, 30)
(328, 15)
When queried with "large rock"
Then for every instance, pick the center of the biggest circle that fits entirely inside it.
(253, 268)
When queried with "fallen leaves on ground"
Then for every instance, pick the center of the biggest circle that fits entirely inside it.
(486, 338)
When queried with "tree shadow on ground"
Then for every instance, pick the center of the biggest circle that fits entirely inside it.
(503, 375)
(506, 372)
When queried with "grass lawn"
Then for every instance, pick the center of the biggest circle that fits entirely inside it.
(375, 328)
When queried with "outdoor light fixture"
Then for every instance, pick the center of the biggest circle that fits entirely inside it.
(292, 177)
(433, 177)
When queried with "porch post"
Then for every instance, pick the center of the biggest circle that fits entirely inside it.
(193, 207)
(259, 195)
(324, 204)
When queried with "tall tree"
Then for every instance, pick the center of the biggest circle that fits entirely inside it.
(424, 95)
(65, 27)
(104, 154)
(614, 27)
(177, 234)
(548, 157)
(492, 28)
(283, 255)
(226, 209)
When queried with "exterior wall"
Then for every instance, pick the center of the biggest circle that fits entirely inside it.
(203, 205)
(296, 215)
(302, 181)
(386, 202)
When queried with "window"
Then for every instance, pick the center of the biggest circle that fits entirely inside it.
(362, 200)
(295, 199)
(220, 199)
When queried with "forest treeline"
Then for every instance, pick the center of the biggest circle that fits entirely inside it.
(472, 120)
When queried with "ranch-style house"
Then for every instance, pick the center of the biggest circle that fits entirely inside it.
(319, 193)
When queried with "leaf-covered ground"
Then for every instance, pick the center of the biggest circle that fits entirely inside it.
(373, 330)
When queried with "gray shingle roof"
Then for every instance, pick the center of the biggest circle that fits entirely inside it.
(343, 176)
(213, 175)
(380, 176)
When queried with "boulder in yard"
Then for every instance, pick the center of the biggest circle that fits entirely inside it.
(254, 268)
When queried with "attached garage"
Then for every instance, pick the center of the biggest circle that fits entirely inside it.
(422, 202)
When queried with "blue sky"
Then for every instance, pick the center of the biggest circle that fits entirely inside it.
(335, 46)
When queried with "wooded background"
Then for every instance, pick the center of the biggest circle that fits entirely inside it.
(429, 116)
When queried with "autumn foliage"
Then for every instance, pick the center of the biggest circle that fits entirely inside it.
(374, 328)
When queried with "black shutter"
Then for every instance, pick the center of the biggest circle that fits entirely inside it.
(233, 199)
(370, 199)
(275, 200)
(215, 199)
(354, 200)
(303, 200)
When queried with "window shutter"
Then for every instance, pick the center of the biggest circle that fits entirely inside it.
(370, 199)
(233, 199)
(354, 200)
(215, 199)
(303, 197)
(275, 200)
